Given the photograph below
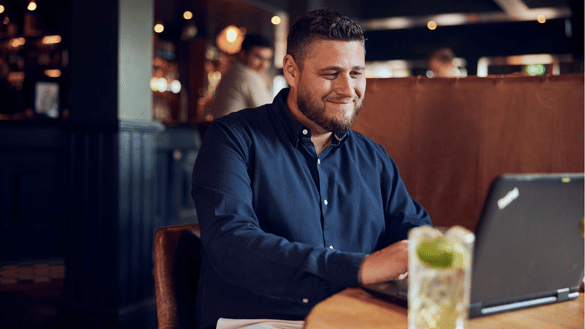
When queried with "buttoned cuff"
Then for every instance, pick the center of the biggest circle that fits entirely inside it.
(345, 270)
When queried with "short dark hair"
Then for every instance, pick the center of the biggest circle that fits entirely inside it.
(323, 24)
(255, 40)
(443, 54)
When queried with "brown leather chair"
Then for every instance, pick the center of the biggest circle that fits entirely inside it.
(177, 261)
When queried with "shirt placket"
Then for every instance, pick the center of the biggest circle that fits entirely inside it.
(322, 181)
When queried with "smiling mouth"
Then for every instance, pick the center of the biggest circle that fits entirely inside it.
(341, 101)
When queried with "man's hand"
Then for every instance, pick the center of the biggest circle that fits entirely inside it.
(390, 263)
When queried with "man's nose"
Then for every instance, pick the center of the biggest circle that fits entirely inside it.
(344, 85)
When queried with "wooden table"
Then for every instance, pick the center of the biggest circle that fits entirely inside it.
(356, 308)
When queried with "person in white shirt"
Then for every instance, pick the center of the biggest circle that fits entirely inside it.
(246, 82)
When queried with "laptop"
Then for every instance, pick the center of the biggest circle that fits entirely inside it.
(528, 245)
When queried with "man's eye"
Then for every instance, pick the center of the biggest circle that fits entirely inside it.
(331, 75)
(356, 74)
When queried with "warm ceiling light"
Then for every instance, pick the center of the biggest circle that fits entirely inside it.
(175, 86)
(17, 42)
(396, 23)
(451, 19)
(32, 6)
(230, 39)
(154, 84)
(162, 84)
(14, 76)
(541, 19)
(530, 59)
(275, 20)
(53, 73)
(432, 25)
(2, 9)
(232, 34)
(187, 15)
(159, 28)
(51, 39)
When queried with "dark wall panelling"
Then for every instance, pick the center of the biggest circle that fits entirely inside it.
(33, 196)
(94, 194)
(113, 181)
(137, 204)
(177, 149)
(91, 269)
(137, 177)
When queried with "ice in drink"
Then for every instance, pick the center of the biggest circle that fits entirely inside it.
(439, 273)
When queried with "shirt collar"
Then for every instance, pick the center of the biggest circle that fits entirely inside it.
(292, 126)
(339, 137)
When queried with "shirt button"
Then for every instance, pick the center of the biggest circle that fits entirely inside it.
(305, 300)
(318, 161)
(305, 131)
(331, 247)
(325, 202)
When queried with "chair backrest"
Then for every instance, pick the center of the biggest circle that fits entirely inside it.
(177, 262)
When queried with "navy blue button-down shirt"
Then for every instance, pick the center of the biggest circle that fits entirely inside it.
(283, 228)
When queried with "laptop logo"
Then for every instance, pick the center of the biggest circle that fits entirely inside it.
(511, 196)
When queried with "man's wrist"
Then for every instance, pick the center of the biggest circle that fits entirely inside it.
(360, 271)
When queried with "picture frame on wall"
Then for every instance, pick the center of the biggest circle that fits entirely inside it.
(46, 96)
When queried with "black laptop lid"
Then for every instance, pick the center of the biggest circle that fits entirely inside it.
(529, 240)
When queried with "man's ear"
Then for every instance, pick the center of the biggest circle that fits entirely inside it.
(290, 70)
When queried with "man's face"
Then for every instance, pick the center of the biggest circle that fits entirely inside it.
(332, 84)
(258, 58)
(441, 69)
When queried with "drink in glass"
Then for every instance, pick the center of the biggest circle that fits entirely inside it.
(439, 271)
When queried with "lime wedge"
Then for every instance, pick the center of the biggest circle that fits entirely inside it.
(437, 252)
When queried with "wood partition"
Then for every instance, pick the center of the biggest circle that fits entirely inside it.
(451, 137)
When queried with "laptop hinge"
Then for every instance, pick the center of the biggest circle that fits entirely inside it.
(475, 309)
(563, 294)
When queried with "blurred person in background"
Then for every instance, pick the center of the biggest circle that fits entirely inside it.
(440, 63)
(246, 83)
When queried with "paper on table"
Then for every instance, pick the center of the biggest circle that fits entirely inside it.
(224, 323)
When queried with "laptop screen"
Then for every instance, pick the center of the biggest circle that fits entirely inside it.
(529, 241)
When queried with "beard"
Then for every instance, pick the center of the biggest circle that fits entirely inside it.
(315, 111)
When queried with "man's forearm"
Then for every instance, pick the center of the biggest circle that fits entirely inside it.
(386, 264)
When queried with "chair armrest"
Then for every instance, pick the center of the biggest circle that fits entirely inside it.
(176, 261)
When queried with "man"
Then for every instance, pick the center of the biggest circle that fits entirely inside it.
(440, 63)
(294, 206)
(245, 84)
